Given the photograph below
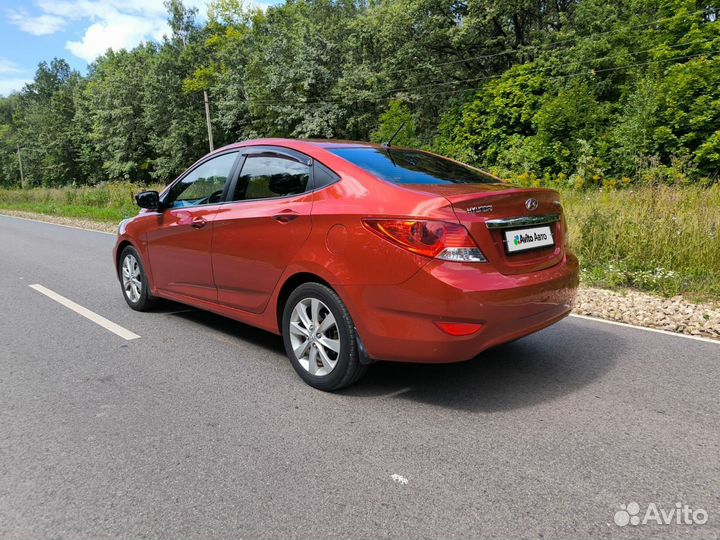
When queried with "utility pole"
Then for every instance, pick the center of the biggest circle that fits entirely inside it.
(22, 176)
(207, 118)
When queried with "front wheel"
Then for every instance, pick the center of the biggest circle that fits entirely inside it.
(134, 282)
(319, 337)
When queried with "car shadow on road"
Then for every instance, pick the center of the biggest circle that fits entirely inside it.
(229, 328)
(545, 366)
(555, 362)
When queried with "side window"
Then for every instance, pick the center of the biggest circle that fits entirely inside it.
(204, 185)
(264, 176)
(322, 176)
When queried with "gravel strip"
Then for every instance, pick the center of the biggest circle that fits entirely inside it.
(632, 307)
(91, 224)
(674, 314)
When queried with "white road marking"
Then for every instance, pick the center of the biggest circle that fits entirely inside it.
(57, 224)
(647, 329)
(85, 312)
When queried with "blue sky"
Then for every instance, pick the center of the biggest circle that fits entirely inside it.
(78, 30)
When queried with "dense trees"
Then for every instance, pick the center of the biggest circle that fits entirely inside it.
(584, 91)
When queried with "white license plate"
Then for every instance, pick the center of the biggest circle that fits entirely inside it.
(524, 239)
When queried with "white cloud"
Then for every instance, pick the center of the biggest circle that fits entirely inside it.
(11, 78)
(119, 32)
(8, 67)
(40, 25)
(112, 24)
(7, 86)
(260, 4)
(77, 9)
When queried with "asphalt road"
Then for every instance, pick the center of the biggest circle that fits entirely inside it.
(201, 429)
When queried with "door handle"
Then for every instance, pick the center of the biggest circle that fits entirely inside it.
(286, 217)
(199, 222)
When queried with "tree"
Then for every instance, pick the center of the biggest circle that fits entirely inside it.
(112, 112)
(44, 125)
(582, 88)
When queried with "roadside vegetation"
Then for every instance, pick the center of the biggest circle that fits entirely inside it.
(591, 91)
(660, 239)
(109, 202)
(616, 104)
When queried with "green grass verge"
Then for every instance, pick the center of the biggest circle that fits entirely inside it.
(72, 211)
(659, 239)
(109, 202)
(664, 240)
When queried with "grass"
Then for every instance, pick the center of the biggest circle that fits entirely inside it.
(660, 239)
(110, 202)
(664, 240)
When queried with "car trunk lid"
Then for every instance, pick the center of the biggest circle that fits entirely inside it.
(489, 211)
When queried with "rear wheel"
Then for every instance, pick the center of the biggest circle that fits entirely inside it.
(319, 337)
(134, 281)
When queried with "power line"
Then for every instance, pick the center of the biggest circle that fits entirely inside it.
(551, 66)
(558, 77)
(480, 79)
(495, 76)
(559, 42)
(592, 71)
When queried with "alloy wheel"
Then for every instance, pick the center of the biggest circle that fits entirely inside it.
(314, 337)
(132, 282)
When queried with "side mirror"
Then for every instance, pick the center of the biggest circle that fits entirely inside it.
(148, 199)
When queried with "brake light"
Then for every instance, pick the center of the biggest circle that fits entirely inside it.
(437, 239)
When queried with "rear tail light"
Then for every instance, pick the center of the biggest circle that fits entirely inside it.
(437, 239)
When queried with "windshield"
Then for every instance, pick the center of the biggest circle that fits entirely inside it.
(402, 166)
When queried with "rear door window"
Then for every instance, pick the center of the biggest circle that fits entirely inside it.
(266, 175)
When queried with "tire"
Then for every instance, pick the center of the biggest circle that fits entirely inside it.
(317, 362)
(133, 279)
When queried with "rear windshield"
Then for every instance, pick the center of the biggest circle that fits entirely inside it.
(412, 166)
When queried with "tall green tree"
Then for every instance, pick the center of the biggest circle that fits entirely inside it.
(581, 89)
(44, 125)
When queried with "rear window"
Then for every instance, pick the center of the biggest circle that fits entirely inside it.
(412, 166)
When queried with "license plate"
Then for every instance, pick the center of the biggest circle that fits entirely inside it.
(524, 239)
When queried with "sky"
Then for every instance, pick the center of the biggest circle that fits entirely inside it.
(77, 30)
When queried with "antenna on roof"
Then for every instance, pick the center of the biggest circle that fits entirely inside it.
(391, 139)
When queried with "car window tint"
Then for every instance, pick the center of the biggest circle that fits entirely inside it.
(204, 185)
(267, 176)
(401, 166)
(322, 176)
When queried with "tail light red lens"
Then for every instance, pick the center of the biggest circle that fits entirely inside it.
(437, 239)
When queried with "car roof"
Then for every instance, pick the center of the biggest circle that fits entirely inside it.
(300, 144)
(338, 143)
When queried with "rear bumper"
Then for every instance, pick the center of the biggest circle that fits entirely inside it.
(398, 322)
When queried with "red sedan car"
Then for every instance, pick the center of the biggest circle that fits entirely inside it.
(353, 252)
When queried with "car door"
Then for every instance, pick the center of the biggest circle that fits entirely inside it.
(179, 244)
(257, 235)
